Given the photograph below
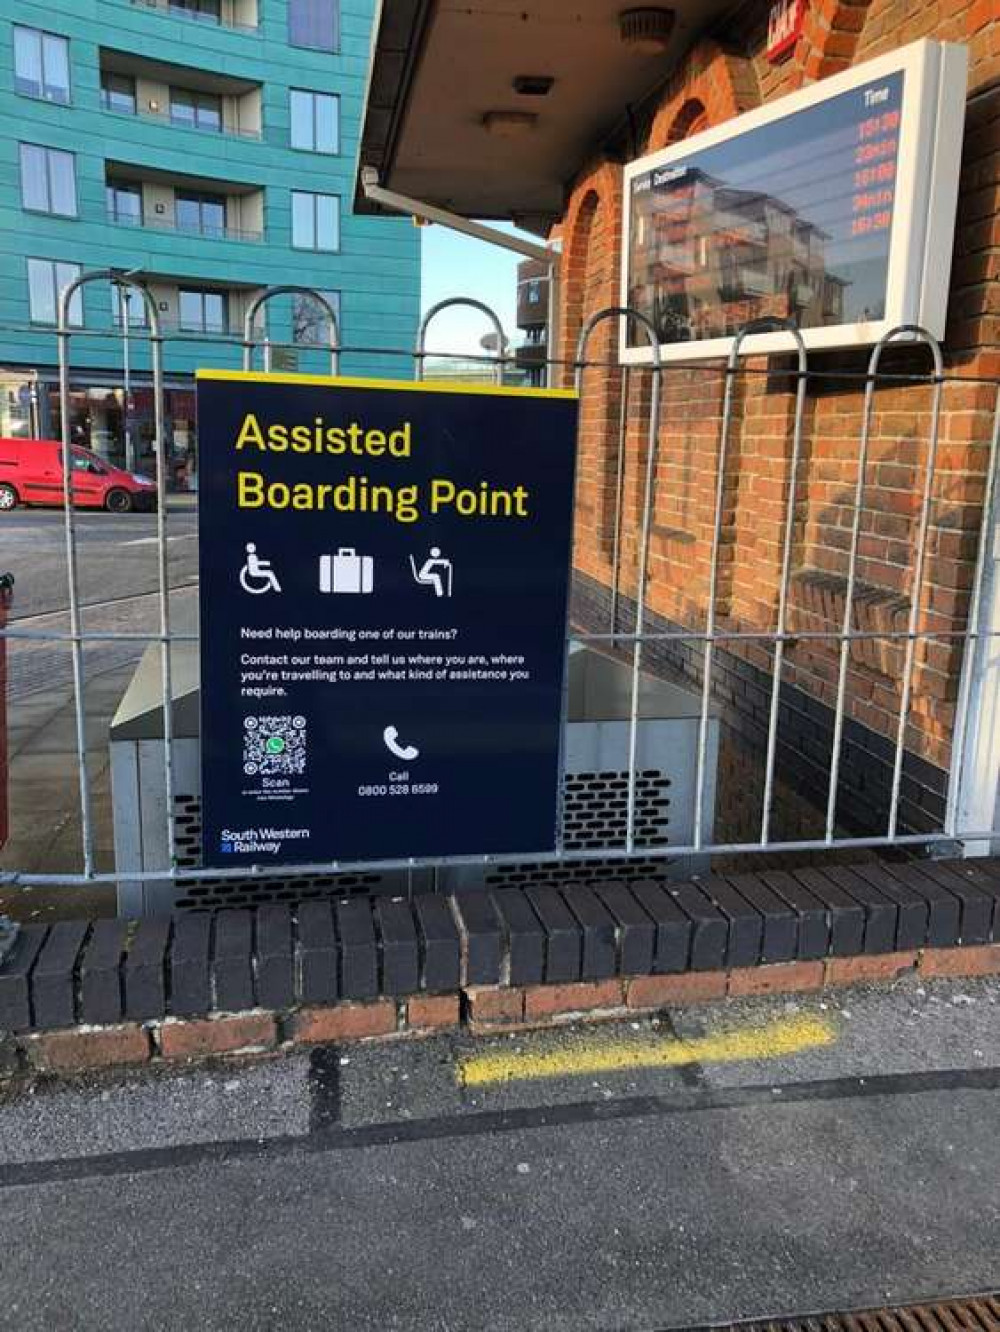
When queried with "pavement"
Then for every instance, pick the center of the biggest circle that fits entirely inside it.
(383, 1186)
(118, 583)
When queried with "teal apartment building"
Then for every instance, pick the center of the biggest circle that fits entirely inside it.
(207, 147)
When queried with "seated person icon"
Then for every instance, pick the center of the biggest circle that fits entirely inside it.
(435, 572)
(257, 576)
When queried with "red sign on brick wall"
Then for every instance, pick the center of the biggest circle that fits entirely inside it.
(784, 24)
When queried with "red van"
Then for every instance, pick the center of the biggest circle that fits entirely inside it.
(31, 473)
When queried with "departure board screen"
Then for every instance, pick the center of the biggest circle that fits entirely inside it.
(790, 219)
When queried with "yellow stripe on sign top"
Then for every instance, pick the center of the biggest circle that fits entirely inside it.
(398, 385)
(786, 1036)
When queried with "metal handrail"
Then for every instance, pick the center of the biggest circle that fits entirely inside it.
(225, 233)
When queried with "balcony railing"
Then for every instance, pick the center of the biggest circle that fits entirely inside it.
(211, 19)
(164, 118)
(170, 224)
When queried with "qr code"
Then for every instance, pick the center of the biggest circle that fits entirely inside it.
(274, 746)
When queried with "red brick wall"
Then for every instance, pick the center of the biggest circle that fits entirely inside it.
(713, 85)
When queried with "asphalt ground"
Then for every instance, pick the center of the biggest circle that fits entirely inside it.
(116, 555)
(743, 1159)
(118, 585)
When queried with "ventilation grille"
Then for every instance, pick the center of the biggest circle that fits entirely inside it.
(595, 814)
(251, 892)
(980, 1313)
(595, 811)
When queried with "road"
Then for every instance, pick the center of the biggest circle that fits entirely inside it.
(118, 581)
(116, 555)
(390, 1186)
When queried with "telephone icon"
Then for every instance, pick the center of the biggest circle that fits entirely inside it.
(405, 752)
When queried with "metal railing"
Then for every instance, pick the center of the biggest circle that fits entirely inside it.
(194, 16)
(166, 119)
(717, 634)
(207, 232)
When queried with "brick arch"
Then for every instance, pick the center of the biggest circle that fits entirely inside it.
(590, 270)
(591, 249)
(577, 263)
(829, 39)
(690, 119)
(720, 83)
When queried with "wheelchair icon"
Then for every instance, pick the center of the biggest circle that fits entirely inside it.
(257, 576)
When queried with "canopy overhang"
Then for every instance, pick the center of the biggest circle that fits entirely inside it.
(489, 108)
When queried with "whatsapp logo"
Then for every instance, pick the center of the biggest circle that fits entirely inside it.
(275, 744)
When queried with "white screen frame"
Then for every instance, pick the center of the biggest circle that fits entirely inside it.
(922, 232)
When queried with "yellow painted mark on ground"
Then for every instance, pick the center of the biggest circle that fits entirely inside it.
(785, 1036)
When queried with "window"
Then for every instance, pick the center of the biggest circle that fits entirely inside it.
(208, 11)
(315, 121)
(128, 298)
(41, 64)
(46, 279)
(82, 462)
(124, 202)
(48, 180)
(310, 324)
(315, 221)
(203, 311)
(117, 92)
(531, 291)
(314, 23)
(203, 213)
(197, 110)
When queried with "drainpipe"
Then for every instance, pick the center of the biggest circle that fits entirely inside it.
(402, 203)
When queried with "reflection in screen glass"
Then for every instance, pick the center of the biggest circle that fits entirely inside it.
(791, 219)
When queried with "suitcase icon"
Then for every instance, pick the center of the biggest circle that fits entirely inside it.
(347, 571)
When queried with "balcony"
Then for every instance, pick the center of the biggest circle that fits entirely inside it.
(183, 205)
(238, 15)
(532, 293)
(179, 95)
(742, 282)
(192, 308)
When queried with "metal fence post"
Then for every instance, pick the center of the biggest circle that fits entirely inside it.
(288, 289)
(755, 326)
(921, 335)
(419, 352)
(63, 335)
(624, 312)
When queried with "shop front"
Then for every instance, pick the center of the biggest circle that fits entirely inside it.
(123, 433)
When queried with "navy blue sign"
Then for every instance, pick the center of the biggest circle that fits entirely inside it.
(384, 575)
